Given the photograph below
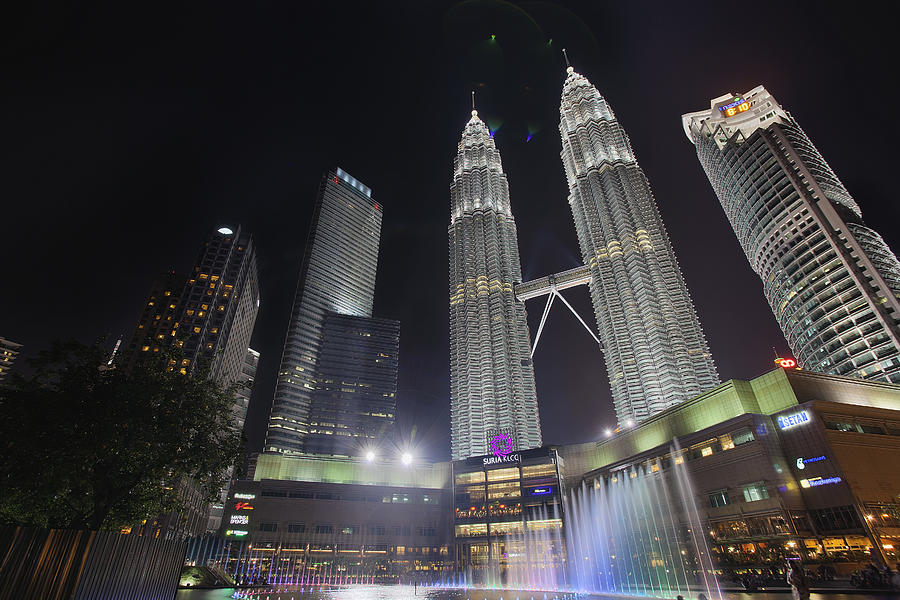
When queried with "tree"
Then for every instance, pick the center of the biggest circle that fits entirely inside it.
(91, 447)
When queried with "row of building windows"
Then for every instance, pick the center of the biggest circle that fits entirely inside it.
(751, 493)
(397, 498)
(329, 529)
(876, 428)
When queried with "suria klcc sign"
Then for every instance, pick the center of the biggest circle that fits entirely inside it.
(501, 451)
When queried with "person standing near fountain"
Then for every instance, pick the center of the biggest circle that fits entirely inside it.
(798, 580)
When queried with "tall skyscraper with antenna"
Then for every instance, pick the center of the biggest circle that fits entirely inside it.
(492, 389)
(655, 351)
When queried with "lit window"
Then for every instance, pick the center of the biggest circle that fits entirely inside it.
(214, 278)
(204, 306)
(196, 330)
(203, 276)
(150, 304)
(189, 313)
(221, 307)
(183, 371)
(179, 343)
(145, 348)
(171, 306)
(185, 362)
(214, 330)
(168, 293)
(706, 451)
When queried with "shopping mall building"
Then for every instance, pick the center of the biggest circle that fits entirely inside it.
(789, 463)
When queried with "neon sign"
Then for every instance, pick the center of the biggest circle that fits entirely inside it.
(243, 506)
(501, 445)
(245, 496)
(802, 462)
(786, 363)
(236, 532)
(496, 460)
(786, 422)
(239, 520)
(817, 481)
(541, 491)
(738, 106)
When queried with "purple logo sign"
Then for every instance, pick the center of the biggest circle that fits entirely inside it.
(501, 445)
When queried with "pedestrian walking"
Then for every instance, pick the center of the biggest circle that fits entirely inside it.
(798, 580)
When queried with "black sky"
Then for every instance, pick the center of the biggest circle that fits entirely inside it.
(130, 131)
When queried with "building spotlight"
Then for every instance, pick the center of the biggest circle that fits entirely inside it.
(629, 423)
(406, 458)
(370, 456)
(607, 432)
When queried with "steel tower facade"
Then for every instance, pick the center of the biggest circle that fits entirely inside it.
(492, 387)
(831, 281)
(337, 276)
(655, 351)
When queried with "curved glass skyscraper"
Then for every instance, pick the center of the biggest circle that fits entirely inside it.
(831, 281)
(491, 376)
(655, 351)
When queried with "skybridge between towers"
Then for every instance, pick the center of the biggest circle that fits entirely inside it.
(550, 286)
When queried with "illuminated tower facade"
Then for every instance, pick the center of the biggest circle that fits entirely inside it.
(491, 376)
(655, 351)
(831, 281)
(337, 276)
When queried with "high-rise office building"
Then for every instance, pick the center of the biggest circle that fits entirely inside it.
(831, 281)
(352, 409)
(492, 389)
(211, 318)
(655, 351)
(337, 275)
(9, 351)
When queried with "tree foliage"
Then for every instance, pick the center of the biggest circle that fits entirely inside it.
(90, 447)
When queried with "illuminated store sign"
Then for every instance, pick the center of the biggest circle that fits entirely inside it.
(802, 462)
(236, 532)
(738, 106)
(788, 421)
(541, 491)
(245, 496)
(786, 363)
(243, 506)
(817, 481)
(496, 460)
(240, 520)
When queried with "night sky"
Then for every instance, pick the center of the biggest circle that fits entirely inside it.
(130, 131)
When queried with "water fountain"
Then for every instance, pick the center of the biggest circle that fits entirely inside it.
(633, 531)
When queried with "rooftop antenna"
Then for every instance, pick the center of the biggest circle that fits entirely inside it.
(566, 56)
(473, 99)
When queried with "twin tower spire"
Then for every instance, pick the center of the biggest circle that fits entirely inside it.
(655, 352)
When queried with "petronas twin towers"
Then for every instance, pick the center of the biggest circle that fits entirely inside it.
(655, 351)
